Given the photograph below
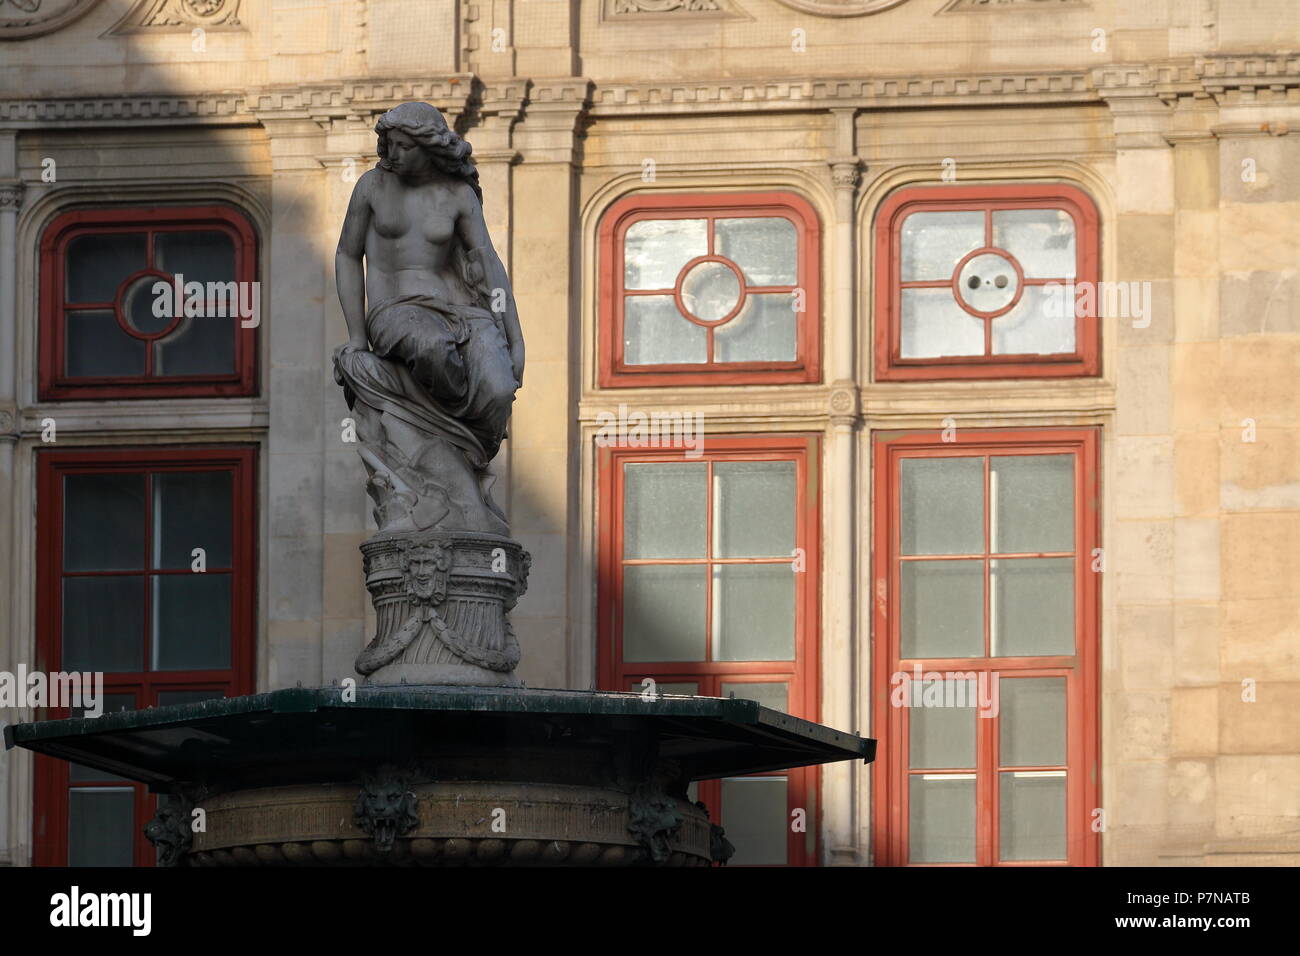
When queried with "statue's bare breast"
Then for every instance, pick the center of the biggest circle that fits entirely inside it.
(409, 240)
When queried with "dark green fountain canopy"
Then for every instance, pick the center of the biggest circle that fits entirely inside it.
(305, 734)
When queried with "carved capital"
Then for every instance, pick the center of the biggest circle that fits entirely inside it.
(846, 172)
(11, 195)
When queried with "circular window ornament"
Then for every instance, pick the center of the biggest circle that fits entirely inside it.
(710, 291)
(136, 306)
(988, 282)
(20, 19)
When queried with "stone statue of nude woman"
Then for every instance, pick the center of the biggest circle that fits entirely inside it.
(429, 371)
(435, 352)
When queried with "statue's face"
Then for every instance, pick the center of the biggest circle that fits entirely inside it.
(406, 157)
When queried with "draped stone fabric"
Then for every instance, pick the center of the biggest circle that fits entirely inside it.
(444, 370)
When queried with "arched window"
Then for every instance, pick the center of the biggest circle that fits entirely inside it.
(987, 282)
(709, 289)
(149, 302)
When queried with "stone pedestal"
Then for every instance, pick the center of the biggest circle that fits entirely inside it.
(442, 602)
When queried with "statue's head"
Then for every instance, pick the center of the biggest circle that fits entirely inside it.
(415, 136)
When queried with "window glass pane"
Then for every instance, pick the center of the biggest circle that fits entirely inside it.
(96, 345)
(1042, 323)
(79, 773)
(943, 609)
(663, 612)
(710, 290)
(664, 509)
(103, 623)
(1032, 718)
(206, 255)
(934, 325)
(753, 612)
(654, 251)
(191, 509)
(754, 814)
(191, 622)
(1032, 814)
(766, 330)
(97, 264)
(655, 333)
(942, 736)
(766, 248)
(771, 695)
(934, 242)
(941, 501)
(198, 346)
(167, 697)
(753, 509)
(1042, 239)
(941, 818)
(1032, 606)
(101, 826)
(1033, 498)
(103, 522)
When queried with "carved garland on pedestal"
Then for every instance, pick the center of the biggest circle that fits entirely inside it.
(426, 566)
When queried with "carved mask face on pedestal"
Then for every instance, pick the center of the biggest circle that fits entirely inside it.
(425, 577)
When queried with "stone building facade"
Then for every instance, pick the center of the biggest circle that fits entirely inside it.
(1157, 143)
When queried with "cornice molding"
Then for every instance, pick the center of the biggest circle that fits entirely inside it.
(1228, 80)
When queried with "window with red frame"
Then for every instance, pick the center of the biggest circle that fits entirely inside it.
(108, 330)
(709, 289)
(120, 592)
(708, 586)
(986, 649)
(986, 282)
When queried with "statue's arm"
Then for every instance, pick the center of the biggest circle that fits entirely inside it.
(349, 275)
(473, 232)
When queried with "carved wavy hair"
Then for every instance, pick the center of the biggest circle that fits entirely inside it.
(427, 127)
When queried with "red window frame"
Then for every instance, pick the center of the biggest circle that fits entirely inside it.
(55, 384)
(1083, 715)
(802, 675)
(891, 366)
(615, 373)
(50, 819)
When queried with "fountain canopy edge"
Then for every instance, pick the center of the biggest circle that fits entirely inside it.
(439, 775)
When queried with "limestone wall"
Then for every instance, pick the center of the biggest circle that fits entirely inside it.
(563, 101)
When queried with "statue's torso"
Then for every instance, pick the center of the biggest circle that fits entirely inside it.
(410, 240)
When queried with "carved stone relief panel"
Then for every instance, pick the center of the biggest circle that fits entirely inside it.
(20, 19)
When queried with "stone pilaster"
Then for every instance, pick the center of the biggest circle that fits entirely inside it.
(11, 197)
(544, 514)
(840, 646)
